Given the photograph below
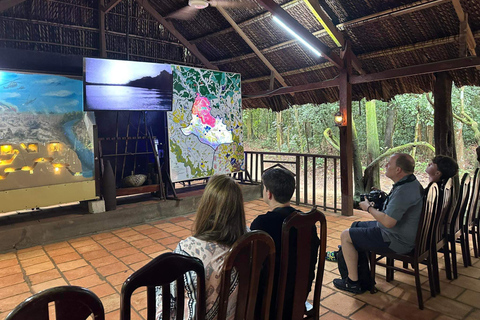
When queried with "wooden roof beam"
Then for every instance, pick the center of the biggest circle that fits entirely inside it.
(169, 26)
(296, 27)
(462, 16)
(252, 46)
(111, 5)
(7, 4)
(332, 31)
(420, 5)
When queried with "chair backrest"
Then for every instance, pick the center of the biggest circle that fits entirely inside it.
(249, 255)
(305, 232)
(71, 303)
(473, 202)
(457, 214)
(427, 217)
(161, 272)
(444, 208)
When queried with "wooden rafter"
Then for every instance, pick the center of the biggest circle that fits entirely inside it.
(371, 55)
(332, 31)
(7, 4)
(169, 26)
(296, 27)
(463, 18)
(252, 46)
(373, 17)
(111, 5)
(302, 88)
(101, 27)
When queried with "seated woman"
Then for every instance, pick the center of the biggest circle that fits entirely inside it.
(219, 222)
(441, 169)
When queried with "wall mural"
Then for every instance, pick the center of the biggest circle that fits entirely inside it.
(45, 137)
(205, 125)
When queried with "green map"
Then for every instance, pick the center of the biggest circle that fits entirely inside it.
(205, 124)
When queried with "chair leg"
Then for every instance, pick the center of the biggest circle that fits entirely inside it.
(453, 252)
(435, 272)
(477, 228)
(389, 275)
(432, 281)
(373, 264)
(463, 244)
(446, 257)
(467, 248)
(418, 285)
(474, 231)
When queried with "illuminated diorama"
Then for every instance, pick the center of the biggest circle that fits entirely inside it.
(205, 124)
(46, 140)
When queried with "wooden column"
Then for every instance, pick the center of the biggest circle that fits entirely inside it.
(444, 131)
(101, 27)
(346, 144)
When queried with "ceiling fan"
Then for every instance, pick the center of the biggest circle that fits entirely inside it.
(194, 6)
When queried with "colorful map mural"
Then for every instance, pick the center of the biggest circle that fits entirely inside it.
(205, 125)
(45, 137)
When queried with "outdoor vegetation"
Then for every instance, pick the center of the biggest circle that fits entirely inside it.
(404, 124)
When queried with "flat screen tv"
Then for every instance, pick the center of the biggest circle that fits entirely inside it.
(118, 85)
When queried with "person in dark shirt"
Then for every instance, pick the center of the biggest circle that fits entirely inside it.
(278, 189)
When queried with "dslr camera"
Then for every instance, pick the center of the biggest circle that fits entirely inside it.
(378, 197)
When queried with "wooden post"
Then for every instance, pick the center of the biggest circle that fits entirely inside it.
(444, 131)
(103, 44)
(346, 144)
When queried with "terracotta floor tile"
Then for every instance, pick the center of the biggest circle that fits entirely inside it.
(467, 283)
(170, 240)
(36, 268)
(141, 227)
(104, 261)
(8, 256)
(8, 263)
(177, 219)
(159, 235)
(80, 242)
(112, 269)
(15, 289)
(111, 302)
(61, 251)
(102, 236)
(149, 230)
(342, 304)
(34, 261)
(110, 240)
(66, 257)
(369, 313)
(92, 255)
(114, 315)
(474, 315)
(125, 232)
(379, 300)
(87, 282)
(7, 304)
(138, 265)
(117, 245)
(139, 300)
(79, 273)
(11, 279)
(171, 246)
(408, 311)
(182, 234)
(136, 257)
(5, 271)
(89, 248)
(469, 297)
(103, 290)
(30, 254)
(449, 307)
(66, 266)
(124, 252)
(56, 246)
(139, 244)
(44, 276)
(332, 316)
(119, 278)
(135, 237)
(153, 248)
(48, 284)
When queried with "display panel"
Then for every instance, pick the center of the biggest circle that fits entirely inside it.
(127, 85)
(205, 125)
(45, 137)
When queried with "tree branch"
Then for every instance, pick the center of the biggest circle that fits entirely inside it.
(328, 134)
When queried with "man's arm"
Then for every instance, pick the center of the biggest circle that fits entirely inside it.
(382, 217)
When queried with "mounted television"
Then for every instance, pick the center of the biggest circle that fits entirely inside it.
(117, 85)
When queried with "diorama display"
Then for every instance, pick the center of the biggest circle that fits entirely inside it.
(127, 85)
(205, 124)
(45, 137)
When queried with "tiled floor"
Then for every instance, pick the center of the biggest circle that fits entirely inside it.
(102, 262)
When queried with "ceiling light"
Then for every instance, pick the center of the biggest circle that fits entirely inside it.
(308, 45)
(198, 4)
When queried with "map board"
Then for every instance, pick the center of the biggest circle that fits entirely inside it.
(205, 124)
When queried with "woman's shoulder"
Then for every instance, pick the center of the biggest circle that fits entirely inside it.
(193, 244)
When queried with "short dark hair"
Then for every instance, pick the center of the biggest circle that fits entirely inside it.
(446, 165)
(280, 182)
(405, 162)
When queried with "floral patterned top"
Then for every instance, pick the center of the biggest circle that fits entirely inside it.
(212, 255)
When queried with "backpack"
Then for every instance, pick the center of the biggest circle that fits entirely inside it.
(364, 275)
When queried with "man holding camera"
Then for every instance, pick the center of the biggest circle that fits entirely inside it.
(394, 228)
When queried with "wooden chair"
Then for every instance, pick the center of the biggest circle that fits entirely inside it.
(71, 303)
(161, 272)
(455, 224)
(468, 226)
(475, 221)
(249, 255)
(440, 232)
(303, 224)
(421, 252)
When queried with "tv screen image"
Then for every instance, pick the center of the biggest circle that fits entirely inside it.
(127, 85)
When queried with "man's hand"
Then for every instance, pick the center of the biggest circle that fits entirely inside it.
(377, 214)
(365, 204)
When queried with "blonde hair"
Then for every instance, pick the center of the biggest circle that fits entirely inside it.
(220, 215)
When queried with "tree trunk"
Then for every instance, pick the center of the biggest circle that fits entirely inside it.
(279, 131)
(443, 116)
(299, 130)
(390, 125)
(417, 132)
(430, 134)
(459, 133)
(308, 134)
(357, 165)
(373, 149)
(249, 114)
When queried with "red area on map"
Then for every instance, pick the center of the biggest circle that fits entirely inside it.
(201, 108)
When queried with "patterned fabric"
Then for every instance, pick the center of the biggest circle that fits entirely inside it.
(212, 255)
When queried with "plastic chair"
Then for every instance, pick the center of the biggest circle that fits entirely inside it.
(251, 255)
(71, 303)
(421, 252)
(161, 272)
(305, 226)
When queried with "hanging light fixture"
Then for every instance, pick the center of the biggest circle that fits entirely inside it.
(338, 118)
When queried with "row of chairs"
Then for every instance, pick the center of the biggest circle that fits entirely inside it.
(448, 217)
(252, 256)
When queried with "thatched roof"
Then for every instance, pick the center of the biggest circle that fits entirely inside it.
(383, 34)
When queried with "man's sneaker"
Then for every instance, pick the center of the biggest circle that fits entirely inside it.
(347, 285)
(331, 256)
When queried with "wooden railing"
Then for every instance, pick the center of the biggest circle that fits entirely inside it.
(313, 172)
